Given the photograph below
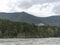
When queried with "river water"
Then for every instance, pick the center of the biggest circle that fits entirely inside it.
(30, 41)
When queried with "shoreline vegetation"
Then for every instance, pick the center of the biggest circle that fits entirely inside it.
(10, 29)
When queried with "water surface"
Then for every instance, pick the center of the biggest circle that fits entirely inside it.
(30, 41)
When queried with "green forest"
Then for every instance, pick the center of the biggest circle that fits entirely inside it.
(10, 29)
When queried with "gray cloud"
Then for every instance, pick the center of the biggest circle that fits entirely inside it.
(45, 1)
(57, 10)
(26, 4)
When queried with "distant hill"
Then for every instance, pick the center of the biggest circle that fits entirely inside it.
(28, 18)
(53, 20)
(20, 17)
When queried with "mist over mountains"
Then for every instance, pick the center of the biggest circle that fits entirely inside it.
(28, 18)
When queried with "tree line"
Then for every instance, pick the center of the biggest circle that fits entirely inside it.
(10, 29)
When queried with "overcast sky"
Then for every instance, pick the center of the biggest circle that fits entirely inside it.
(40, 8)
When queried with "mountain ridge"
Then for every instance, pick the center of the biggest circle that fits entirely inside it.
(26, 17)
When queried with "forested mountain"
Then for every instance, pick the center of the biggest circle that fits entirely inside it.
(52, 21)
(20, 17)
(10, 29)
(28, 18)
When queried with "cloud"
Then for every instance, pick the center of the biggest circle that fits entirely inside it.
(20, 3)
(3, 6)
(57, 8)
(41, 10)
(44, 1)
(38, 8)
(28, 3)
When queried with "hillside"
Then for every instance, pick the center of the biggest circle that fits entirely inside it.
(52, 21)
(9, 29)
(28, 18)
(20, 17)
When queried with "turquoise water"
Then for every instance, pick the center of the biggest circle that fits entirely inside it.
(30, 41)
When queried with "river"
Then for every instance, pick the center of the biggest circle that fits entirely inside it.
(30, 41)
